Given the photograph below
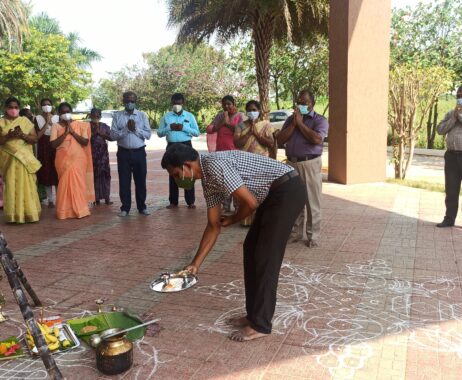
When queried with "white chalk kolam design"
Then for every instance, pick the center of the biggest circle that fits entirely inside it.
(145, 356)
(340, 313)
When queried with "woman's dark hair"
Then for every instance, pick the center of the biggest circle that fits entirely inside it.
(177, 96)
(177, 155)
(253, 102)
(95, 111)
(23, 112)
(12, 99)
(45, 100)
(62, 105)
(228, 98)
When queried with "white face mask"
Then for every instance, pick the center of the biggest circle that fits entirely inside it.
(47, 109)
(459, 102)
(253, 115)
(177, 108)
(66, 116)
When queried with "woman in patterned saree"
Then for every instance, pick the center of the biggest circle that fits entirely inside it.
(73, 165)
(18, 166)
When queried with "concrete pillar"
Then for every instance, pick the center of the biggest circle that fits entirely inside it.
(359, 33)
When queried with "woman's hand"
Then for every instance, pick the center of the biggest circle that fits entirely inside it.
(191, 268)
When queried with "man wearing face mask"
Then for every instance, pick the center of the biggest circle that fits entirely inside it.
(130, 128)
(304, 133)
(179, 126)
(451, 127)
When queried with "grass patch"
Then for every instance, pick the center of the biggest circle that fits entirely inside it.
(430, 186)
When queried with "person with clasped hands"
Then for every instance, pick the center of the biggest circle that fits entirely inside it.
(451, 127)
(130, 128)
(304, 134)
(179, 126)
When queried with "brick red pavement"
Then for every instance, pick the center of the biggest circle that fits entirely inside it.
(379, 299)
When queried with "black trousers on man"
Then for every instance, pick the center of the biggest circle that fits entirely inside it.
(173, 192)
(132, 161)
(264, 249)
(453, 178)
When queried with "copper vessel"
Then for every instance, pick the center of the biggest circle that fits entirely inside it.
(114, 355)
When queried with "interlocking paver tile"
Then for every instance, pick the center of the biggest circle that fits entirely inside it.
(380, 298)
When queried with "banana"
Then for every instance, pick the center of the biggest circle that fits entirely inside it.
(66, 343)
(53, 346)
(51, 338)
(56, 332)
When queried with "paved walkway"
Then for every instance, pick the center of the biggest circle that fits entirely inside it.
(381, 297)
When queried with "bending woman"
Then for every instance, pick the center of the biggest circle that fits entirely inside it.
(73, 165)
(18, 166)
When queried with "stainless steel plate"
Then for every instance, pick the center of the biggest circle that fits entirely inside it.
(174, 283)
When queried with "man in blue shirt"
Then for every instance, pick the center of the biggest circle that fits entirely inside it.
(178, 126)
(130, 128)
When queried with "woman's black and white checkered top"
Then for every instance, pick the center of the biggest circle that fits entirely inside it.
(225, 172)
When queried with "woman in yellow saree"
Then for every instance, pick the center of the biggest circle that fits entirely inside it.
(74, 165)
(18, 166)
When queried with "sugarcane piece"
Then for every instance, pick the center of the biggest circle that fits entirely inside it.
(11, 272)
(20, 274)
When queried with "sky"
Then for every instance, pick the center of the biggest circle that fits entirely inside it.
(120, 30)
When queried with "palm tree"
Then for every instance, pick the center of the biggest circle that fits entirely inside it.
(13, 22)
(48, 25)
(266, 20)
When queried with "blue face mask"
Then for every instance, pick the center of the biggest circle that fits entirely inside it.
(459, 102)
(130, 106)
(304, 110)
(186, 183)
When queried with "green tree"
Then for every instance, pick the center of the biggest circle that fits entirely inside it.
(44, 67)
(13, 23)
(412, 90)
(49, 26)
(292, 68)
(199, 72)
(266, 20)
(426, 35)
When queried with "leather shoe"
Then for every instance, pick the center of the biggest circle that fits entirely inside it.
(445, 223)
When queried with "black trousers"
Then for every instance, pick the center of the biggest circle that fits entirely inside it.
(173, 192)
(132, 162)
(452, 177)
(264, 249)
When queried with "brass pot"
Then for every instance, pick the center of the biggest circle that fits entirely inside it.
(114, 355)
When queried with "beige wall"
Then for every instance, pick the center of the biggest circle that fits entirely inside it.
(358, 94)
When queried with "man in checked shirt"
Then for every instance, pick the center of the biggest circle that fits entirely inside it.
(258, 183)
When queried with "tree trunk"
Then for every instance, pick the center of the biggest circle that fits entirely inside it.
(435, 122)
(276, 90)
(429, 129)
(263, 29)
(409, 158)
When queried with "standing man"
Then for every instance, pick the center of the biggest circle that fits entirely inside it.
(258, 183)
(130, 128)
(451, 126)
(304, 133)
(179, 126)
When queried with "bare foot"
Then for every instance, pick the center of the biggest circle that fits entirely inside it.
(192, 206)
(51, 205)
(172, 206)
(245, 334)
(238, 321)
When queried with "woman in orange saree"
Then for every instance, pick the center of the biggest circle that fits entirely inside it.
(73, 164)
